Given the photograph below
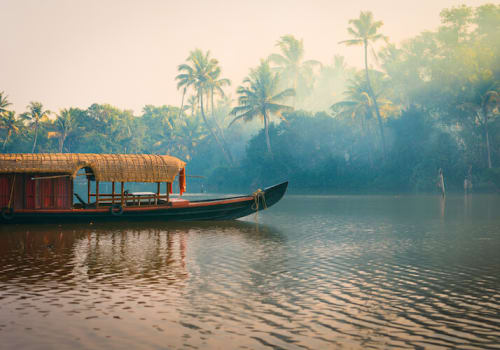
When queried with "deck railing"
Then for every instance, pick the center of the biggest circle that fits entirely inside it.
(125, 198)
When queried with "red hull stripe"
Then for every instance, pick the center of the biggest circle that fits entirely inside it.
(183, 204)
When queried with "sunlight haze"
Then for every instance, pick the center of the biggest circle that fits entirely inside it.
(126, 53)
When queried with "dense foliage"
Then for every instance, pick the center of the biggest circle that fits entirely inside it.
(428, 103)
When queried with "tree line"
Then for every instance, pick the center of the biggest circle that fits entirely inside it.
(428, 103)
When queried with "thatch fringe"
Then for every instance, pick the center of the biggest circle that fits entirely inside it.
(105, 167)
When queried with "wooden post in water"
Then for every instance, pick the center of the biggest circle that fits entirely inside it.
(441, 182)
(97, 194)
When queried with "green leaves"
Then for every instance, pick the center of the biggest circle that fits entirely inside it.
(259, 97)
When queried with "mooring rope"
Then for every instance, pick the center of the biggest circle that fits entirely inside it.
(12, 191)
(259, 194)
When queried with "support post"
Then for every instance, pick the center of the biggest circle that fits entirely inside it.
(157, 193)
(88, 190)
(97, 194)
(122, 194)
(113, 192)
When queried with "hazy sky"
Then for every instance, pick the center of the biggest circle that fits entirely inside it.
(73, 53)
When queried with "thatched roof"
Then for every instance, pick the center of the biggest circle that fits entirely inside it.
(105, 167)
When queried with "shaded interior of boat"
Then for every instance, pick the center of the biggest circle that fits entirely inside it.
(50, 183)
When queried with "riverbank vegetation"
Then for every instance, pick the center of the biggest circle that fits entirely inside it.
(431, 102)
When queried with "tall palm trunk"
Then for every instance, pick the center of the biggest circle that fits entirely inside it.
(365, 129)
(9, 132)
(214, 135)
(375, 104)
(36, 136)
(61, 142)
(487, 136)
(182, 103)
(221, 132)
(266, 129)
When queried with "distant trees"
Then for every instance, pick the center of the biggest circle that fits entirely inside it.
(432, 102)
(260, 97)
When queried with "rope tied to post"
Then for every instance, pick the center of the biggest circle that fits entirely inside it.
(257, 196)
(12, 192)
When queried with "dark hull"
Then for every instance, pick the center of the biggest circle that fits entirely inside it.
(216, 209)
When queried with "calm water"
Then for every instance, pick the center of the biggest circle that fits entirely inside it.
(314, 273)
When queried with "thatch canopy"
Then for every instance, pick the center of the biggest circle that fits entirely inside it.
(105, 167)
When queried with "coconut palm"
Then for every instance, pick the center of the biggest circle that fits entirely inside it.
(185, 79)
(192, 104)
(34, 115)
(215, 86)
(10, 124)
(202, 70)
(490, 104)
(291, 64)
(65, 124)
(190, 133)
(4, 103)
(364, 32)
(359, 104)
(259, 97)
(485, 106)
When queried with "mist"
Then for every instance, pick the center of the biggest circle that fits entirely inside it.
(389, 120)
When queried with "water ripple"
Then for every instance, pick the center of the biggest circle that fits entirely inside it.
(341, 272)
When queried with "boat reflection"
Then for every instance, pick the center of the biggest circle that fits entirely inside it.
(110, 253)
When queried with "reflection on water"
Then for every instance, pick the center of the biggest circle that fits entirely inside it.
(313, 273)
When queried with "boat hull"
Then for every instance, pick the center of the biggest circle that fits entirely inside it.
(216, 209)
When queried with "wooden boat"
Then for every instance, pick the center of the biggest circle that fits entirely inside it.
(40, 188)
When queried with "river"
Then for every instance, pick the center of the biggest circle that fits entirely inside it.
(312, 272)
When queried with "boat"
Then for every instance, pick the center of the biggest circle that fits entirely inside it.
(40, 187)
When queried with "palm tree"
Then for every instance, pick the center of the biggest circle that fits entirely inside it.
(260, 98)
(202, 70)
(4, 103)
(11, 124)
(191, 133)
(192, 104)
(291, 65)
(33, 116)
(185, 79)
(215, 86)
(485, 106)
(364, 30)
(65, 123)
(489, 108)
(359, 103)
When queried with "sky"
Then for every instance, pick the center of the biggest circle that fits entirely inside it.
(69, 53)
